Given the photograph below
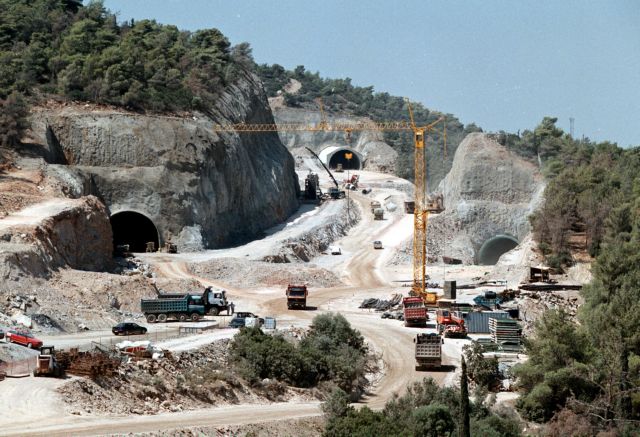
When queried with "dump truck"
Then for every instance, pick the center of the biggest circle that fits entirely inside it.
(47, 363)
(410, 207)
(415, 313)
(185, 306)
(297, 296)
(428, 351)
(378, 214)
(375, 204)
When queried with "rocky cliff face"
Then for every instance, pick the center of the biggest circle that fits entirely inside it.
(378, 155)
(201, 189)
(70, 233)
(488, 193)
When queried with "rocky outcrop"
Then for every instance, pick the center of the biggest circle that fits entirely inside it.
(489, 192)
(201, 189)
(60, 233)
(378, 155)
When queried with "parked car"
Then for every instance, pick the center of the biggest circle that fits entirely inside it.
(335, 250)
(128, 328)
(377, 244)
(24, 338)
(245, 314)
(1, 333)
(237, 322)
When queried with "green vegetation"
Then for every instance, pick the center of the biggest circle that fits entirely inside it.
(81, 52)
(425, 410)
(339, 95)
(593, 369)
(331, 351)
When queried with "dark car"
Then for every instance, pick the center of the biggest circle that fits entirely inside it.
(128, 328)
(236, 322)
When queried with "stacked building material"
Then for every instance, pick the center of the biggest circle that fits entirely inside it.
(505, 333)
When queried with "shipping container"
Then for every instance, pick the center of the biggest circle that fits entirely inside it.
(477, 322)
(269, 323)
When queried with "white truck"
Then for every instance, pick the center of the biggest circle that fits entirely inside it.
(428, 351)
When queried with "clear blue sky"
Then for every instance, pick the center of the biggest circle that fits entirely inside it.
(500, 64)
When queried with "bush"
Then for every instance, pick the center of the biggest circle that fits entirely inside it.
(331, 351)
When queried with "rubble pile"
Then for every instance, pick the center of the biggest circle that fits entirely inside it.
(244, 273)
(133, 266)
(175, 382)
(533, 304)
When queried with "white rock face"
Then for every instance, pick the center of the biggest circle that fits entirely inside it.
(489, 192)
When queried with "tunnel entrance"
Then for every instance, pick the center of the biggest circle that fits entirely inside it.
(340, 157)
(494, 248)
(134, 229)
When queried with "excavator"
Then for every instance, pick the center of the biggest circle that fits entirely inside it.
(334, 192)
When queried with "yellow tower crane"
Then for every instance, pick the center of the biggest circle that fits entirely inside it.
(421, 213)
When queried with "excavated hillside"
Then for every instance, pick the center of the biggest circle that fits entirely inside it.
(488, 194)
(173, 178)
(371, 151)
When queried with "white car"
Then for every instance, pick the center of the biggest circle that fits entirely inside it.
(377, 244)
(335, 250)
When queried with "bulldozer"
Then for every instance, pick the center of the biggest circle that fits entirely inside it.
(47, 363)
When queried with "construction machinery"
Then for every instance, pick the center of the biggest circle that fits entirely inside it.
(312, 191)
(184, 306)
(421, 213)
(334, 192)
(449, 324)
(415, 313)
(47, 363)
(297, 296)
(378, 214)
(428, 351)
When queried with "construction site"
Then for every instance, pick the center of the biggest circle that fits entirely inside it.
(418, 272)
(193, 242)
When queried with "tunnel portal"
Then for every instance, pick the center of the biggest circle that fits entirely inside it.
(134, 229)
(494, 248)
(340, 157)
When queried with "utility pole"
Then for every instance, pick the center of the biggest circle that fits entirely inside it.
(571, 121)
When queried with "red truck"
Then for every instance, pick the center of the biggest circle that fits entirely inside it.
(297, 296)
(415, 313)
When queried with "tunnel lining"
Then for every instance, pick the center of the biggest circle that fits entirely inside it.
(135, 229)
(493, 248)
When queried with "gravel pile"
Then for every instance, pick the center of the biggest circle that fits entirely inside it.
(245, 273)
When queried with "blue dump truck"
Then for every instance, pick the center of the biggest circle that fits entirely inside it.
(184, 306)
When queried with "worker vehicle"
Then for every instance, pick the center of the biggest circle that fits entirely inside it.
(375, 204)
(339, 168)
(184, 306)
(170, 247)
(47, 364)
(245, 315)
(378, 214)
(336, 193)
(23, 338)
(428, 351)
(237, 322)
(297, 296)
(377, 244)
(414, 311)
(128, 328)
(335, 250)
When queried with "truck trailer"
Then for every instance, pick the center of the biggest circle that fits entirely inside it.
(297, 296)
(428, 351)
(415, 313)
(184, 306)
